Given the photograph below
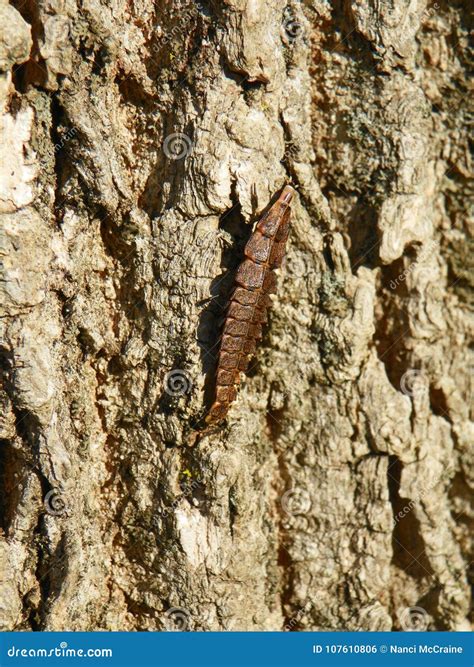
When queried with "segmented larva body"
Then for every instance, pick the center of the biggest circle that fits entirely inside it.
(247, 312)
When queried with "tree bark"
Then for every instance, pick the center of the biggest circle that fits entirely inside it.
(141, 142)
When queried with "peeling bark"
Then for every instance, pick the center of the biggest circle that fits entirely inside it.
(141, 143)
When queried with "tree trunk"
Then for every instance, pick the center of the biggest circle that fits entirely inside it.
(140, 145)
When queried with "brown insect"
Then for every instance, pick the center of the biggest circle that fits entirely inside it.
(247, 311)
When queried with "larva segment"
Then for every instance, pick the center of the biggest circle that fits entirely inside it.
(248, 306)
(228, 360)
(277, 254)
(225, 394)
(243, 296)
(258, 248)
(284, 228)
(279, 246)
(243, 363)
(250, 275)
(255, 331)
(260, 313)
(238, 328)
(239, 312)
(232, 343)
(225, 377)
(249, 346)
(261, 316)
(269, 283)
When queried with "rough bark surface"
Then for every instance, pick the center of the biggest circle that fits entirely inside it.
(140, 142)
